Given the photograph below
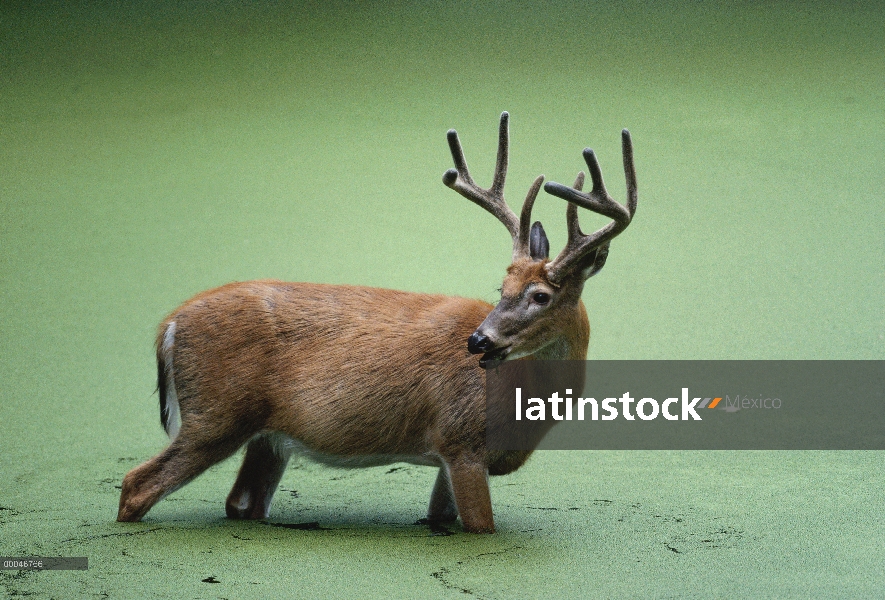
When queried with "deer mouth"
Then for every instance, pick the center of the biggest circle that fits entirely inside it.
(492, 359)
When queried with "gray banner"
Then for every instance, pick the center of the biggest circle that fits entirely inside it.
(686, 405)
(51, 563)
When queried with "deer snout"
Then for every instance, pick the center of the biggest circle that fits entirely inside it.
(479, 343)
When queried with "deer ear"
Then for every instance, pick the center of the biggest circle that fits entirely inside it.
(539, 247)
(593, 262)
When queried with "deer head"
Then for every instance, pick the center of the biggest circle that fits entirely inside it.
(541, 298)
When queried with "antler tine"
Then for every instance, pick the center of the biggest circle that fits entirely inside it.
(571, 213)
(629, 171)
(521, 244)
(502, 158)
(597, 200)
(491, 199)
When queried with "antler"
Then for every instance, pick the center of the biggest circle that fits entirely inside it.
(492, 199)
(597, 200)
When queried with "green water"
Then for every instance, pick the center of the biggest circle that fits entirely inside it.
(150, 152)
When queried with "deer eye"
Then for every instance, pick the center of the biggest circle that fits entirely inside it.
(541, 298)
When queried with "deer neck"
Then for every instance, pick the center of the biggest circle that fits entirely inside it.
(572, 343)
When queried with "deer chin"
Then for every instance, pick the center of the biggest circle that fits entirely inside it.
(492, 359)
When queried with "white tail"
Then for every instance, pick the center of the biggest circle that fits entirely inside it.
(169, 413)
(357, 376)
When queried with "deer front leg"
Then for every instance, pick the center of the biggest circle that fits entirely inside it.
(442, 507)
(470, 485)
(257, 481)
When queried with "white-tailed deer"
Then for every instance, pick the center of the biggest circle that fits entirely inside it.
(356, 376)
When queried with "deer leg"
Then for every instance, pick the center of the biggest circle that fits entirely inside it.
(263, 466)
(442, 500)
(187, 456)
(470, 485)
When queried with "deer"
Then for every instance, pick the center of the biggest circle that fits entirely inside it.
(353, 376)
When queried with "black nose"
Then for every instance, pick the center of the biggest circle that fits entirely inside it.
(478, 343)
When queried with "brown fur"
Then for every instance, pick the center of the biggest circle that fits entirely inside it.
(347, 371)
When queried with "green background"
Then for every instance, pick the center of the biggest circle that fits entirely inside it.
(150, 151)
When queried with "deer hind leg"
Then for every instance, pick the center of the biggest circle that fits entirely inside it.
(263, 467)
(470, 485)
(192, 452)
(442, 507)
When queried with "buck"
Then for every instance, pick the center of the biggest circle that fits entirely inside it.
(355, 376)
